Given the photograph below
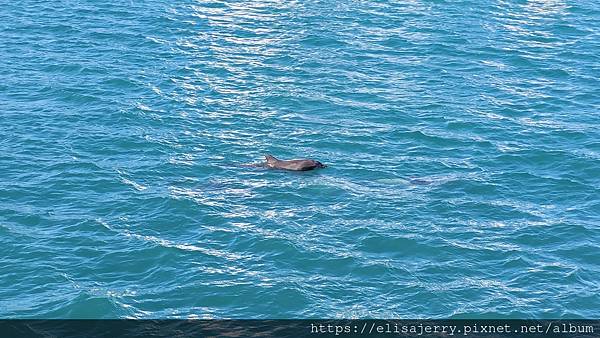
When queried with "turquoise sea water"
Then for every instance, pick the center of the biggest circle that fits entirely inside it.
(462, 139)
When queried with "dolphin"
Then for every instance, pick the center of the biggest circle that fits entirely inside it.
(296, 165)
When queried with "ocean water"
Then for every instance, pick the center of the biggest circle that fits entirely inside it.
(461, 137)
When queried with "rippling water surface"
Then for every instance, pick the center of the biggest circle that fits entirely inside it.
(461, 136)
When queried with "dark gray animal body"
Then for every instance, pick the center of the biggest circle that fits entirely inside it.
(297, 165)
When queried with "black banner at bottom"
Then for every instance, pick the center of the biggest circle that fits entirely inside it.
(318, 328)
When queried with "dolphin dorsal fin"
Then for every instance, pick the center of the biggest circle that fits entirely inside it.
(270, 158)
